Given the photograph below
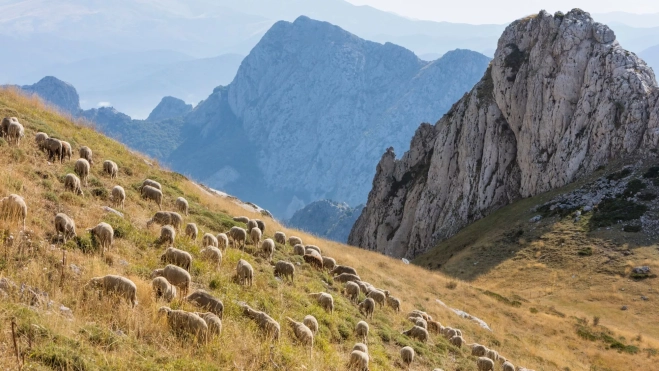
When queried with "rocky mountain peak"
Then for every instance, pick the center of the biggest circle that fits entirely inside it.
(168, 108)
(560, 98)
(57, 93)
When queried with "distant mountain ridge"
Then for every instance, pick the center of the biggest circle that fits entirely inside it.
(326, 218)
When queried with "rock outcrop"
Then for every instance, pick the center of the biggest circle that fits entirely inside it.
(169, 108)
(57, 93)
(560, 98)
(326, 218)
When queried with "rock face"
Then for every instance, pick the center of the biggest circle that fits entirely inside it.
(169, 108)
(56, 92)
(560, 98)
(316, 105)
(326, 218)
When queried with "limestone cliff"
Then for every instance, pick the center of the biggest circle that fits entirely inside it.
(560, 98)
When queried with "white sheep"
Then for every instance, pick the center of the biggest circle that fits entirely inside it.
(328, 263)
(361, 331)
(260, 224)
(378, 296)
(182, 205)
(251, 224)
(407, 354)
(507, 366)
(418, 313)
(213, 322)
(314, 260)
(358, 361)
(54, 148)
(116, 285)
(280, 237)
(292, 240)
(268, 248)
(255, 235)
(72, 183)
(111, 168)
(456, 341)
(65, 225)
(347, 277)
(434, 326)
(86, 153)
(202, 299)
(478, 350)
(285, 269)
(302, 333)
(419, 322)
(351, 291)
(367, 307)
(152, 194)
(245, 272)
(118, 196)
(177, 257)
(81, 168)
(15, 132)
(418, 333)
(182, 322)
(213, 254)
(13, 208)
(484, 364)
(166, 217)
(394, 303)
(313, 247)
(340, 269)
(238, 236)
(361, 347)
(163, 289)
(241, 219)
(4, 126)
(152, 183)
(492, 354)
(167, 234)
(311, 322)
(104, 233)
(208, 240)
(66, 150)
(223, 241)
(177, 276)
(298, 249)
(191, 231)
(267, 324)
(40, 138)
(325, 300)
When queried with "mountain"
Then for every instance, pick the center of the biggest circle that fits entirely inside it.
(309, 111)
(327, 219)
(560, 99)
(651, 57)
(647, 20)
(56, 93)
(169, 107)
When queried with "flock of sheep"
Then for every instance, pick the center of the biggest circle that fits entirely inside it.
(174, 279)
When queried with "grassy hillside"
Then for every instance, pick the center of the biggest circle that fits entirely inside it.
(109, 335)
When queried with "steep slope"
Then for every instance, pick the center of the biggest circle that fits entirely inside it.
(326, 219)
(561, 98)
(331, 96)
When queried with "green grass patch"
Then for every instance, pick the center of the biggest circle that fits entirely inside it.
(503, 299)
(586, 251)
(612, 210)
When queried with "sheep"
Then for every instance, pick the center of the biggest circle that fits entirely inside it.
(54, 148)
(343, 269)
(237, 235)
(182, 322)
(418, 333)
(72, 183)
(152, 183)
(314, 260)
(361, 347)
(165, 218)
(311, 322)
(118, 196)
(394, 303)
(204, 300)
(268, 248)
(418, 313)
(260, 225)
(292, 240)
(280, 237)
(302, 333)
(507, 366)
(256, 235)
(484, 364)
(407, 354)
(111, 168)
(378, 296)
(361, 330)
(65, 225)
(448, 333)
(325, 300)
(163, 289)
(4, 127)
(457, 341)
(241, 219)
(492, 354)
(112, 284)
(213, 254)
(153, 194)
(86, 153)
(177, 257)
(191, 231)
(208, 240)
(434, 326)
(358, 361)
(223, 241)
(213, 322)
(13, 207)
(313, 247)
(298, 249)
(167, 234)
(346, 277)
(66, 150)
(352, 291)
(15, 132)
(328, 263)
(366, 307)
(81, 167)
(40, 138)
(419, 322)
(245, 272)
(182, 205)
(105, 235)
(264, 321)
(251, 224)
(363, 285)
(177, 276)
(478, 350)
(284, 268)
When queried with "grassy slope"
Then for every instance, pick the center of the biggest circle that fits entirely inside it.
(91, 339)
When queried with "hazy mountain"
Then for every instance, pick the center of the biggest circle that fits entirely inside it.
(629, 19)
(651, 57)
(326, 218)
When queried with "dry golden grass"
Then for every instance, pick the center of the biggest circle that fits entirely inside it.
(108, 334)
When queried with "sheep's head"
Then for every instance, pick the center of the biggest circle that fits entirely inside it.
(157, 273)
(164, 310)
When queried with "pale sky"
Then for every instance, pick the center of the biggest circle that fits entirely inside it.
(502, 11)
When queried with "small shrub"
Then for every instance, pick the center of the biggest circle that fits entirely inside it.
(596, 320)
(647, 196)
(633, 187)
(533, 310)
(632, 228)
(652, 172)
(619, 174)
(586, 251)
(101, 193)
(18, 155)
(451, 285)
(128, 171)
(611, 210)
(3, 143)
(50, 196)
(85, 244)
(503, 299)
(214, 284)
(94, 182)
(47, 184)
